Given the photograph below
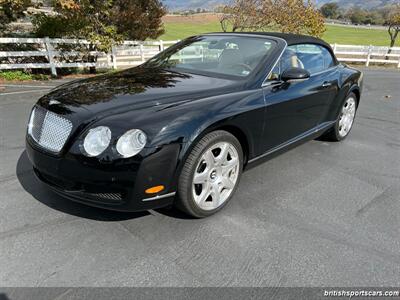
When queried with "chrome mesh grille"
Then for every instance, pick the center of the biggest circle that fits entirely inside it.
(48, 129)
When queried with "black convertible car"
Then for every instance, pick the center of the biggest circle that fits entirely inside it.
(182, 127)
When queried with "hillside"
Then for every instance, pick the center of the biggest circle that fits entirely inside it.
(208, 4)
(174, 5)
(180, 27)
(368, 4)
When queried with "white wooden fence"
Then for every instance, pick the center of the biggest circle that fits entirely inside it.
(129, 53)
(367, 54)
(132, 53)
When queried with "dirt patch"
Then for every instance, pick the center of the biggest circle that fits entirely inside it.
(203, 18)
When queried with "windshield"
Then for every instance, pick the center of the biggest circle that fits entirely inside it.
(227, 55)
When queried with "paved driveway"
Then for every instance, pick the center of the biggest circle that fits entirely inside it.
(322, 214)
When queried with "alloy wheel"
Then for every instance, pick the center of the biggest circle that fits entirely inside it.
(215, 176)
(347, 116)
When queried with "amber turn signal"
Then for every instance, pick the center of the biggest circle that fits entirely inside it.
(154, 189)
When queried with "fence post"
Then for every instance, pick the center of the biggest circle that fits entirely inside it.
(399, 63)
(50, 55)
(141, 52)
(369, 55)
(114, 57)
(161, 45)
(334, 48)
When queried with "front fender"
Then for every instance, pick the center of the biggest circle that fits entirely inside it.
(244, 112)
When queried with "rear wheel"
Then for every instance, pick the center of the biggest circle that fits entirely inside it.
(345, 121)
(210, 175)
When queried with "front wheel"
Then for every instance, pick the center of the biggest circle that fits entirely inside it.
(210, 175)
(345, 121)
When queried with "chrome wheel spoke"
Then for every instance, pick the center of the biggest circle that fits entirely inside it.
(215, 195)
(221, 158)
(209, 159)
(229, 166)
(228, 183)
(200, 178)
(201, 199)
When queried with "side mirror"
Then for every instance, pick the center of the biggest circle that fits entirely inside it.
(295, 74)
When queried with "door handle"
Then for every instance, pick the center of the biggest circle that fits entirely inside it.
(326, 84)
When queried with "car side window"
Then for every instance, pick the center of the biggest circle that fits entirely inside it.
(313, 58)
(328, 59)
(287, 60)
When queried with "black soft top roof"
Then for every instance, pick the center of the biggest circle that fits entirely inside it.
(290, 38)
(293, 39)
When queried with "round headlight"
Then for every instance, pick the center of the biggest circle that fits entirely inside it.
(97, 140)
(131, 142)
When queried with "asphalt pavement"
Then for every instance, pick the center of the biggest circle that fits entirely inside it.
(323, 214)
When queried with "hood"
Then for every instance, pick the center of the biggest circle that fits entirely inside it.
(136, 88)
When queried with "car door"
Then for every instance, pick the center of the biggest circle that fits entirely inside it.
(295, 108)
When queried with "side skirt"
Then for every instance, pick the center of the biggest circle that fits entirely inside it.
(301, 139)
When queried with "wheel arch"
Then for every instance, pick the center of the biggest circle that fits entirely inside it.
(236, 131)
(242, 138)
(356, 91)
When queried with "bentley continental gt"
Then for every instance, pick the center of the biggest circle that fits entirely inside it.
(182, 127)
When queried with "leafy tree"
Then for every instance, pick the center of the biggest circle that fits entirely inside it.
(330, 10)
(11, 11)
(357, 15)
(295, 16)
(374, 18)
(102, 22)
(361, 16)
(138, 19)
(89, 19)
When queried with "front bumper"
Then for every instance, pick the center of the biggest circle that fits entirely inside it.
(116, 185)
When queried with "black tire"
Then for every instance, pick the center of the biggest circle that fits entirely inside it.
(333, 134)
(185, 200)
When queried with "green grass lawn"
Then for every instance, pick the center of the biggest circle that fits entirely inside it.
(333, 34)
(179, 31)
(357, 36)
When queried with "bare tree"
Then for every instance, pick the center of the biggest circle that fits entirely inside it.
(394, 26)
(240, 15)
(295, 16)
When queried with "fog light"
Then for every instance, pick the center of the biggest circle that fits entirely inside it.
(154, 189)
